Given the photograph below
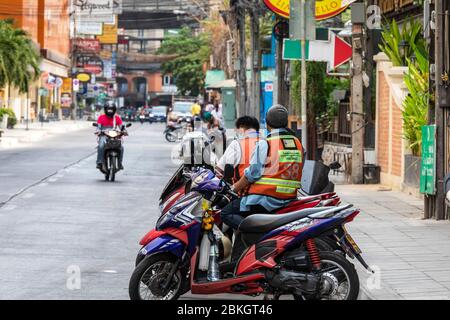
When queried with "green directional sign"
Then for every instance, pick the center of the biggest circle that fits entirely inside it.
(292, 50)
(428, 168)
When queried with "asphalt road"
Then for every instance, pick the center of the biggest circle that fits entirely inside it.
(65, 233)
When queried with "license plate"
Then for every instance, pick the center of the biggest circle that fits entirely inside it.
(351, 241)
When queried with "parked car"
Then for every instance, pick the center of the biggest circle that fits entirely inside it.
(158, 114)
(181, 110)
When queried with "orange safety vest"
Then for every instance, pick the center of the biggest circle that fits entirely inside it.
(247, 145)
(283, 170)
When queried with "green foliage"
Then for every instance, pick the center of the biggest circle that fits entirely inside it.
(392, 36)
(415, 106)
(12, 120)
(19, 60)
(187, 69)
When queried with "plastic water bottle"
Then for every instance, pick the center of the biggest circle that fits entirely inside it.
(213, 270)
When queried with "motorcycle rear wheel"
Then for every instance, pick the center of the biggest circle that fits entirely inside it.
(148, 276)
(330, 262)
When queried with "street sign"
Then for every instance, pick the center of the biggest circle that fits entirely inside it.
(428, 168)
(292, 49)
(336, 51)
(76, 85)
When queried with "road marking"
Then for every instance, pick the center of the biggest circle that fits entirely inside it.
(110, 271)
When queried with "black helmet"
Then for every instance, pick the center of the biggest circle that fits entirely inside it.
(277, 117)
(110, 109)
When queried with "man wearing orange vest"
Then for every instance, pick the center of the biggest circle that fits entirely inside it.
(240, 150)
(274, 174)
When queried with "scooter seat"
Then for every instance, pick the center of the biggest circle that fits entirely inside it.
(261, 223)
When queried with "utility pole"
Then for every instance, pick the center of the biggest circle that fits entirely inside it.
(357, 103)
(256, 64)
(241, 68)
(74, 59)
(304, 96)
(442, 101)
(282, 86)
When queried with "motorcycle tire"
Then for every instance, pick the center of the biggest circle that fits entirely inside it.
(349, 269)
(141, 269)
(139, 258)
(113, 169)
(170, 137)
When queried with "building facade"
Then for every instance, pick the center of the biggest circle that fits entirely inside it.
(48, 24)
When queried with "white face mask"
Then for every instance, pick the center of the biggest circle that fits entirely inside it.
(240, 134)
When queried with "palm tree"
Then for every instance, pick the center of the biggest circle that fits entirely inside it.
(19, 60)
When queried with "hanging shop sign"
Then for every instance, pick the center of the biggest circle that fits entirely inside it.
(90, 28)
(97, 10)
(76, 85)
(105, 55)
(83, 77)
(325, 9)
(66, 99)
(94, 69)
(280, 7)
(67, 85)
(87, 45)
(109, 35)
(84, 61)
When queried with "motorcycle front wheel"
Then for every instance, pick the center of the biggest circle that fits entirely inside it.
(148, 277)
(171, 137)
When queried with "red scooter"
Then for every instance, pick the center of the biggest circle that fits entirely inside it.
(282, 257)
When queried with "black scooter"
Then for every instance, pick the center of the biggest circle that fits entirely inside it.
(113, 150)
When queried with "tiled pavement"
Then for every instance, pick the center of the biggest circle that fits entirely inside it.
(411, 255)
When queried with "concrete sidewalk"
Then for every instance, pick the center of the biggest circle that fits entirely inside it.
(411, 255)
(20, 137)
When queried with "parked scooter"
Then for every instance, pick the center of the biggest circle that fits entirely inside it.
(113, 150)
(175, 131)
(282, 258)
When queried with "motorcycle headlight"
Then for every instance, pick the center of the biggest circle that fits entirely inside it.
(112, 134)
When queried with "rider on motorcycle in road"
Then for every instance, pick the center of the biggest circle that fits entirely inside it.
(274, 175)
(108, 120)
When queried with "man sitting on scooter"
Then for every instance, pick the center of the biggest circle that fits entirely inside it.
(239, 151)
(108, 120)
(273, 176)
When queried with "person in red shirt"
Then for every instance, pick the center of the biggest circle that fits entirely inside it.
(109, 120)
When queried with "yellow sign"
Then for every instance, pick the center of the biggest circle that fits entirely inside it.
(109, 35)
(67, 85)
(325, 9)
(83, 77)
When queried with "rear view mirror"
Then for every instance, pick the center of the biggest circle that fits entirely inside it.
(95, 125)
(228, 172)
(129, 125)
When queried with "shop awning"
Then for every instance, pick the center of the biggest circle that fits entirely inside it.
(214, 76)
(229, 83)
